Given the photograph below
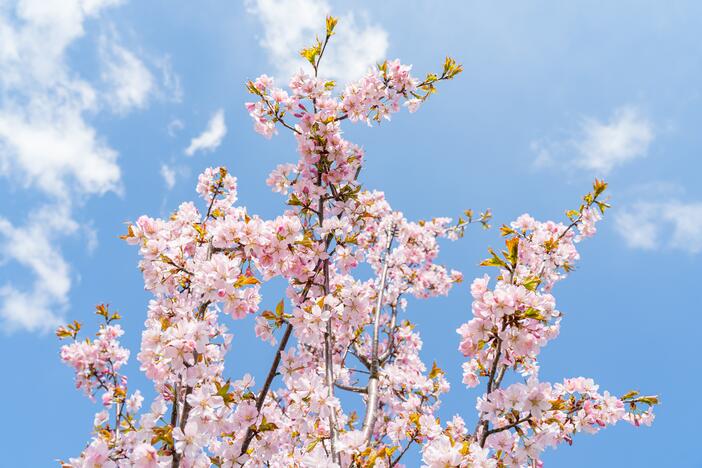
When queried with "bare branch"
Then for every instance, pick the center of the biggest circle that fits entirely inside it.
(351, 388)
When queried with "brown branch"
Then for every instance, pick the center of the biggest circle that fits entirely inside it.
(174, 420)
(267, 385)
(279, 118)
(483, 424)
(273, 371)
(508, 426)
(404, 450)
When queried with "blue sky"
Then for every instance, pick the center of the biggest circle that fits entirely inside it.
(110, 109)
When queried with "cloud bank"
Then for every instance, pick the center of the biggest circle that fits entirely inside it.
(48, 145)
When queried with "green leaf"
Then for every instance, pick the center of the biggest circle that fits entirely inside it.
(222, 390)
(311, 53)
(494, 261)
(266, 426)
(246, 281)
(451, 68)
(598, 187)
(331, 24)
(268, 315)
(512, 250)
(506, 230)
(435, 371)
(294, 201)
(649, 400)
(533, 314)
(572, 214)
(532, 283)
(312, 445)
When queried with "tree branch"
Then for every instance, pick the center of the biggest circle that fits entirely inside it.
(351, 388)
(404, 450)
(508, 426)
(372, 402)
(273, 371)
(391, 337)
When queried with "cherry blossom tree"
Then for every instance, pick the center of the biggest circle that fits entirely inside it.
(334, 333)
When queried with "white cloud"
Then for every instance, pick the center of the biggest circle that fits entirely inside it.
(637, 227)
(666, 224)
(90, 235)
(290, 25)
(599, 147)
(130, 81)
(169, 175)
(211, 138)
(170, 81)
(32, 52)
(32, 246)
(48, 145)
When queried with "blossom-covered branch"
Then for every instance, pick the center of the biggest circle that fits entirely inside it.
(338, 333)
(510, 325)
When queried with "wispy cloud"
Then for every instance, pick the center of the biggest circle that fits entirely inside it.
(130, 83)
(169, 175)
(290, 25)
(661, 224)
(170, 88)
(212, 137)
(171, 172)
(598, 147)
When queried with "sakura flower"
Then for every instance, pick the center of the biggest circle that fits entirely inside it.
(189, 441)
(145, 456)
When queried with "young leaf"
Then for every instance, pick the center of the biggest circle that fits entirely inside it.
(494, 261)
(331, 24)
(512, 250)
(532, 283)
(435, 371)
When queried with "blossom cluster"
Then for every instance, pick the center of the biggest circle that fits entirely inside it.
(511, 323)
(97, 363)
(528, 417)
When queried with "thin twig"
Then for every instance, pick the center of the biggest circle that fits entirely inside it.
(508, 426)
(404, 450)
(351, 388)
